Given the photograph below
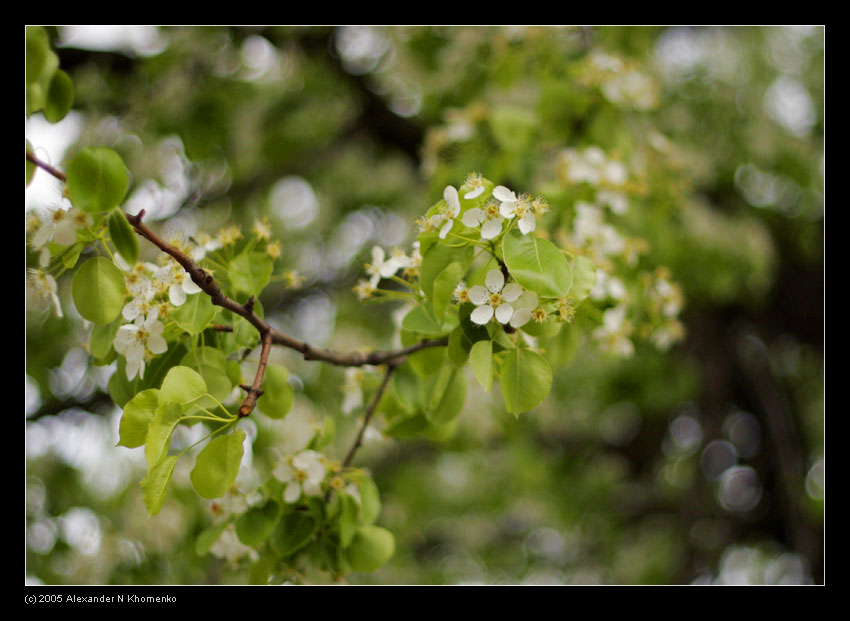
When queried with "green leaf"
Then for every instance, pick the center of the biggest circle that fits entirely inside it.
(481, 361)
(98, 290)
(422, 320)
(293, 532)
(407, 427)
(182, 385)
(123, 236)
(458, 347)
(371, 547)
(158, 438)
(138, 415)
(444, 287)
(41, 64)
(217, 465)
(445, 393)
(348, 519)
(155, 484)
(584, 278)
(537, 264)
(438, 258)
(255, 525)
(278, 395)
(30, 167)
(250, 272)
(370, 501)
(526, 380)
(212, 366)
(425, 361)
(60, 97)
(103, 336)
(196, 313)
(97, 179)
(208, 537)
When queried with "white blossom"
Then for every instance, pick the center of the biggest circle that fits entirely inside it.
(613, 333)
(302, 473)
(452, 209)
(488, 219)
(495, 299)
(134, 340)
(44, 286)
(351, 390)
(381, 267)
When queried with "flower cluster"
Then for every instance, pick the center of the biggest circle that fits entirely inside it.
(507, 303)
(303, 474)
(621, 82)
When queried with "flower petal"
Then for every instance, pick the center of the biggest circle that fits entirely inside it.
(452, 200)
(482, 314)
(475, 193)
(157, 344)
(478, 295)
(507, 209)
(511, 292)
(527, 224)
(446, 228)
(495, 280)
(504, 313)
(491, 228)
(292, 492)
(502, 193)
(521, 317)
(176, 295)
(473, 217)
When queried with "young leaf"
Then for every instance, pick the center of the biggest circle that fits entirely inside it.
(138, 415)
(155, 484)
(60, 97)
(97, 179)
(278, 395)
(208, 537)
(98, 290)
(370, 501)
(217, 465)
(293, 532)
(371, 547)
(444, 286)
(250, 272)
(537, 264)
(158, 438)
(255, 525)
(195, 314)
(584, 278)
(481, 361)
(123, 236)
(526, 379)
(445, 396)
(182, 385)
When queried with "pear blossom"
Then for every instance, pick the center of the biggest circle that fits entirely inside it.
(381, 267)
(613, 333)
(60, 227)
(179, 283)
(134, 340)
(44, 286)
(204, 243)
(525, 307)
(476, 182)
(452, 210)
(488, 219)
(495, 299)
(521, 208)
(302, 473)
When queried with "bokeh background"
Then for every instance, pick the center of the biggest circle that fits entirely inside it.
(700, 464)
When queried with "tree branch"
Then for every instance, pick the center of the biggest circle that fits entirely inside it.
(370, 411)
(268, 334)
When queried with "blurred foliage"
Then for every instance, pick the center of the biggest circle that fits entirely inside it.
(700, 464)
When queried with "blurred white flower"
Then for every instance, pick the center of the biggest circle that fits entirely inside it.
(302, 473)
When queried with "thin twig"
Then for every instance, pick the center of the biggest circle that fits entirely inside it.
(47, 167)
(254, 391)
(376, 399)
(209, 286)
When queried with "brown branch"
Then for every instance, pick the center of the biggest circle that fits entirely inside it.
(370, 411)
(209, 286)
(254, 391)
(47, 167)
